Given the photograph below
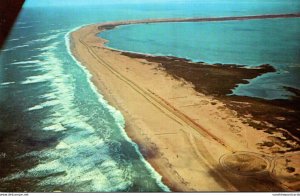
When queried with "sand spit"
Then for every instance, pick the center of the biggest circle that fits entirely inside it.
(195, 139)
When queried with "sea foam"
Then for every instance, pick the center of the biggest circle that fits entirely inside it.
(84, 157)
(119, 119)
(81, 155)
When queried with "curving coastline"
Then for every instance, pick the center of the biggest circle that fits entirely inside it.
(111, 25)
(176, 125)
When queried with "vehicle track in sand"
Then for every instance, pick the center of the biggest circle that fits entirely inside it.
(192, 130)
(161, 104)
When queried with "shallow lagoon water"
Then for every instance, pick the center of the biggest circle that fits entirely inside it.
(250, 43)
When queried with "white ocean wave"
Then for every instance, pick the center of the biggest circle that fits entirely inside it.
(48, 48)
(46, 39)
(36, 79)
(48, 96)
(43, 105)
(23, 27)
(15, 39)
(14, 48)
(20, 23)
(6, 83)
(57, 127)
(81, 156)
(54, 31)
(37, 107)
(58, 31)
(26, 62)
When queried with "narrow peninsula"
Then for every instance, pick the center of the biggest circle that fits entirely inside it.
(185, 124)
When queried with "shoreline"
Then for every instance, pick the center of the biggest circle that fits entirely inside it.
(102, 98)
(128, 82)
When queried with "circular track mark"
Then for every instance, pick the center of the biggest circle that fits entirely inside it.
(245, 163)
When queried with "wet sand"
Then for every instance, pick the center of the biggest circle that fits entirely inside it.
(194, 135)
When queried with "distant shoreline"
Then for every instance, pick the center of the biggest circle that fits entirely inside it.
(187, 112)
(111, 25)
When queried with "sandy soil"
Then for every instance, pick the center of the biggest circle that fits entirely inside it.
(192, 139)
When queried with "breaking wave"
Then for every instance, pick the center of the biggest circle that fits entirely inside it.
(117, 115)
(84, 158)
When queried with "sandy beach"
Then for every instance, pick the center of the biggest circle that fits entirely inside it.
(194, 136)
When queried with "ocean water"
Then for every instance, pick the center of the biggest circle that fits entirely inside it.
(57, 132)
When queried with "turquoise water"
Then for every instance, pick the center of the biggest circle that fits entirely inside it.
(250, 43)
(56, 131)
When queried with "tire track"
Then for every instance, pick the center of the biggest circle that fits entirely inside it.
(165, 107)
